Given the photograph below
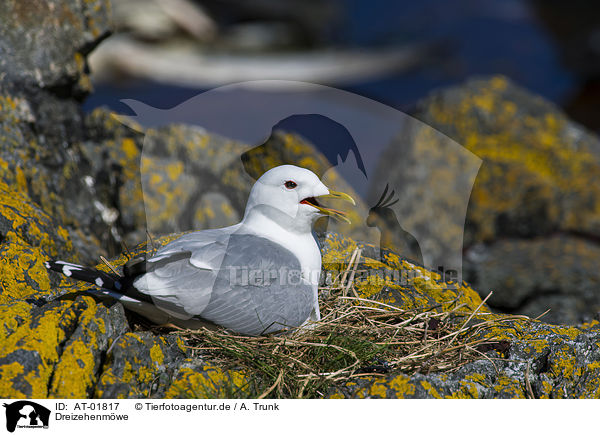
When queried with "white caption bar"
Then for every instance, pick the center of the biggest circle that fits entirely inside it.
(23, 416)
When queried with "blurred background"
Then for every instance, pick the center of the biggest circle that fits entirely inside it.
(165, 51)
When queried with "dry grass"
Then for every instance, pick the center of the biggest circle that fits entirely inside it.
(356, 337)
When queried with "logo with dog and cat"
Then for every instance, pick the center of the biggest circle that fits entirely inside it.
(25, 414)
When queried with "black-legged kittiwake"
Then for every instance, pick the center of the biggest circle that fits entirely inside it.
(258, 276)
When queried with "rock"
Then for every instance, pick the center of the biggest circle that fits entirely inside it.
(139, 365)
(55, 350)
(557, 272)
(394, 280)
(542, 361)
(71, 174)
(112, 152)
(28, 236)
(208, 381)
(538, 166)
(44, 43)
(47, 150)
(535, 198)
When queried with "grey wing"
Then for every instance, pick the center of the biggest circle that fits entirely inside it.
(259, 288)
(194, 241)
(181, 274)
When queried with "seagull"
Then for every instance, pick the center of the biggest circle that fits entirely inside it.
(257, 277)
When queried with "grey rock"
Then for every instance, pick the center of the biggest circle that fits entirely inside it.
(531, 233)
(43, 43)
(537, 361)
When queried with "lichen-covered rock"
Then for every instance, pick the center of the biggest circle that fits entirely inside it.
(44, 42)
(112, 152)
(537, 361)
(55, 350)
(46, 151)
(139, 365)
(538, 170)
(195, 381)
(55, 157)
(395, 280)
(28, 237)
(76, 373)
(538, 181)
(557, 272)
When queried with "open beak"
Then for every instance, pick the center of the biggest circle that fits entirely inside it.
(336, 214)
(339, 195)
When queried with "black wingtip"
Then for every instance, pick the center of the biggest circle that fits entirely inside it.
(83, 273)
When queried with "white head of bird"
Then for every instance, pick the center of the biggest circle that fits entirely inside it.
(287, 196)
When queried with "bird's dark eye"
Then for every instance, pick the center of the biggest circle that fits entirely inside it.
(290, 184)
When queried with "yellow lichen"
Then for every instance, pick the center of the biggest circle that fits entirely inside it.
(521, 153)
(402, 386)
(8, 372)
(156, 354)
(209, 382)
(130, 149)
(429, 389)
(378, 389)
(44, 338)
(74, 375)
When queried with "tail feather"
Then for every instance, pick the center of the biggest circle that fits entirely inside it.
(102, 279)
(113, 286)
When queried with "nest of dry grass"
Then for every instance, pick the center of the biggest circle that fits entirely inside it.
(356, 337)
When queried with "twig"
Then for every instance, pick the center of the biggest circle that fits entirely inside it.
(304, 384)
(528, 383)
(351, 279)
(110, 266)
(151, 242)
(471, 316)
(372, 302)
(543, 314)
(125, 248)
(347, 271)
(272, 387)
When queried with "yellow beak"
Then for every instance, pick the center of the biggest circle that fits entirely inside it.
(336, 214)
(339, 195)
